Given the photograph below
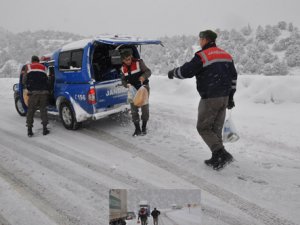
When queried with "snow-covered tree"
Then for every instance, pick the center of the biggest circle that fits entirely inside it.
(253, 50)
(236, 37)
(268, 57)
(260, 33)
(291, 27)
(293, 56)
(282, 25)
(246, 30)
(281, 67)
(275, 68)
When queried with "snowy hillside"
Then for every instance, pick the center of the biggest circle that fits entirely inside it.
(269, 50)
(64, 177)
(17, 48)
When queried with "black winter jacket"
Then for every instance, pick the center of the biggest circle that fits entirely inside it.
(214, 70)
(155, 213)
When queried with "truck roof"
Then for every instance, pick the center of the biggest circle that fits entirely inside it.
(143, 202)
(111, 40)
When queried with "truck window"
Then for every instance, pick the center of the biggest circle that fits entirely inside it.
(63, 60)
(102, 68)
(70, 60)
(76, 59)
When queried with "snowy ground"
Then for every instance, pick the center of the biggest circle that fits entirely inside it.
(184, 216)
(64, 178)
(188, 216)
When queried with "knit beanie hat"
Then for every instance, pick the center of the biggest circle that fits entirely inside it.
(208, 34)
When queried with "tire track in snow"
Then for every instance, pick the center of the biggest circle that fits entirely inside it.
(74, 204)
(37, 198)
(290, 152)
(252, 209)
(64, 170)
(38, 194)
(3, 221)
(249, 208)
(120, 177)
(224, 217)
(165, 220)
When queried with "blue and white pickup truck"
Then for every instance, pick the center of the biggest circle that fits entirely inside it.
(84, 79)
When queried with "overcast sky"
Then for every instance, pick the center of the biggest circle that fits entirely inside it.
(148, 18)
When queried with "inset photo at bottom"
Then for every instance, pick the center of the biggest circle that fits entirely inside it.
(155, 207)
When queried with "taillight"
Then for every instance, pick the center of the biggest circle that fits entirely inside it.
(92, 96)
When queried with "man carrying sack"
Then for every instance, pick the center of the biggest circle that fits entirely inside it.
(135, 74)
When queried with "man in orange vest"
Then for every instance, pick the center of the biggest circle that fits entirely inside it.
(216, 83)
(143, 216)
(135, 73)
(36, 82)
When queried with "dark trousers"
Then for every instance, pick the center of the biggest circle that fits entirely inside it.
(135, 111)
(144, 221)
(37, 101)
(211, 117)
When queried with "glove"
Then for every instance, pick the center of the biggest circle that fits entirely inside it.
(230, 104)
(171, 74)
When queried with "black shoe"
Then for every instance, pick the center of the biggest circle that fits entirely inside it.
(224, 158)
(213, 160)
(29, 132)
(45, 131)
(144, 128)
(137, 131)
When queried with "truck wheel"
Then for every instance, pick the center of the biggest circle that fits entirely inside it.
(67, 116)
(19, 106)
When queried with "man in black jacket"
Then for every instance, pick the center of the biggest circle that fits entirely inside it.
(155, 213)
(36, 82)
(216, 83)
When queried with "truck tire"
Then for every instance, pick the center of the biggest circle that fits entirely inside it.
(19, 106)
(67, 116)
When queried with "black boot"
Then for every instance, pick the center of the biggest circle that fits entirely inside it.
(137, 131)
(224, 158)
(29, 132)
(144, 128)
(45, 130)
(213, 160)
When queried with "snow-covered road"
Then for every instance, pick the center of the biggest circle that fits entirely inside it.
(165, 220)
(64, 177)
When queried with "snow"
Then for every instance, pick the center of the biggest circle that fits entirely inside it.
(10, 67)
(186, 216)
(64, 177)
(277, 89)
(76, 45)
(175, 217)
(105, 38)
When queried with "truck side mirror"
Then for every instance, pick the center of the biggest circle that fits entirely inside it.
(115, 57)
